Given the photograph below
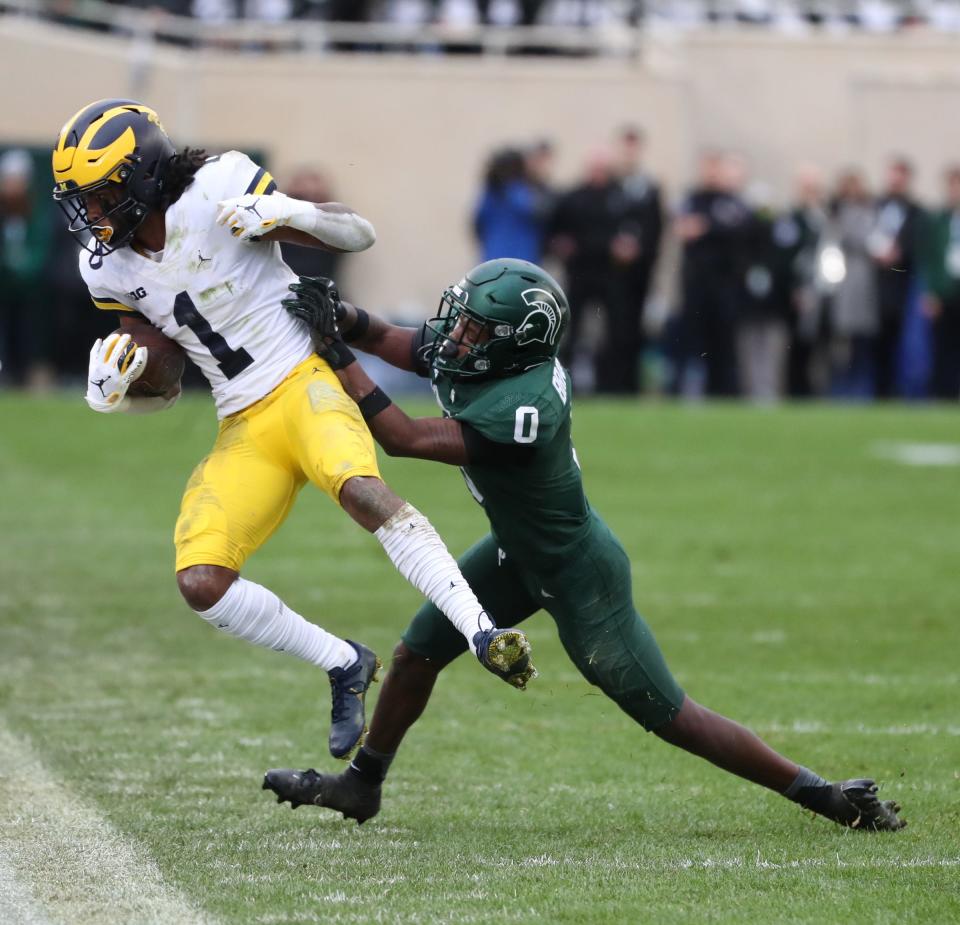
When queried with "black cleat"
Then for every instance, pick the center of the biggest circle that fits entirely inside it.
(854, 803)
(348, 687)
(346, 793)
(507, 654)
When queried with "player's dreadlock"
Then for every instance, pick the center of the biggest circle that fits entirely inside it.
(180, 173)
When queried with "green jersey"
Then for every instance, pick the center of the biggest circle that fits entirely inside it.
(535, 501)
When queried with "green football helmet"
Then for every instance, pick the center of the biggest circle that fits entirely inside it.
(519, 307)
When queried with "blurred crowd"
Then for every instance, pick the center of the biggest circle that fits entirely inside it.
(781, 15)
(847, 292)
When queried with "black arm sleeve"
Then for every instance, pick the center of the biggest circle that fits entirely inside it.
(423, 337)
(489, 452)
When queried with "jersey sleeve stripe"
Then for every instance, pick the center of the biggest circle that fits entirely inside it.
(259, 183)
(112, 305)
(271, 187)
(258, 176)
(261, 189)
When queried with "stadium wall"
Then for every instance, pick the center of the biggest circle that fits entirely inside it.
(405, 137)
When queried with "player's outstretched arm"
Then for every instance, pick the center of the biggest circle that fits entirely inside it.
(437, 439)
(392, 343)
(277, 217)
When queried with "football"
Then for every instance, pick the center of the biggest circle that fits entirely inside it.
(165, 360)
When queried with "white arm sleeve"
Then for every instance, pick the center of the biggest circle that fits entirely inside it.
(344, 230)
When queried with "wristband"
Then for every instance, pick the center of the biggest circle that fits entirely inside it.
(359, 327)
(336, 353)
(373, 403)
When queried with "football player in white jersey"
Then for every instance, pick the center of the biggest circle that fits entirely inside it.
(190, 244)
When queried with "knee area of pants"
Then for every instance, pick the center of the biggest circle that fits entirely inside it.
(200, 588)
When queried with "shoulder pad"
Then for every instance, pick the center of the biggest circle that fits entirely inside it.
(98, 279)
(105, 293)
(230, 175)
(526, 410)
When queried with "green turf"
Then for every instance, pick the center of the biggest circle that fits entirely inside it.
(796, 581)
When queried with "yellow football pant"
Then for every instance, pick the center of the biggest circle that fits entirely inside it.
(305, 429)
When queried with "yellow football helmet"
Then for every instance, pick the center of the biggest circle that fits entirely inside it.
(115, 144)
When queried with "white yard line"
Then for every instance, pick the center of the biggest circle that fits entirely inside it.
(815, 727)
(918, 454)
(61, 861)
(737, 862)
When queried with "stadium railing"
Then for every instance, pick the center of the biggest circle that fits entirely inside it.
(614, 39)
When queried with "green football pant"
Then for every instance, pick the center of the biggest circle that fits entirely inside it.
(590, 601)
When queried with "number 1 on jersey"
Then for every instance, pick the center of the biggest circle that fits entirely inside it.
(231, 362)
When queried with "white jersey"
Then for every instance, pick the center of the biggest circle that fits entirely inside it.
(215, 296)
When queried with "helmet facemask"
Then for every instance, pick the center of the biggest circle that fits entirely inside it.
(484, 338)
(125, 217)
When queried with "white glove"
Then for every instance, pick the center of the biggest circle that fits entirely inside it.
(113, 366)
(251, 216)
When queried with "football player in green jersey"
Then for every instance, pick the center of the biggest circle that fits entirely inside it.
(491, 354)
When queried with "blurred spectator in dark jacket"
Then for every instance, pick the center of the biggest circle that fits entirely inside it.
(940, 265)
(310, 185)
(26, 322)
(584, 226)
(893, 247)
(508, 219)
(349, 10)
(642, 217)
(634, 251)
(798, 236)
(854, 316)
(712, 228)
(525, 14)
(762, 323)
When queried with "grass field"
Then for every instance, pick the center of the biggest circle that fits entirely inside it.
(799, 577)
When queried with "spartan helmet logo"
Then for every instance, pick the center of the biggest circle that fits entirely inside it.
(543, 323)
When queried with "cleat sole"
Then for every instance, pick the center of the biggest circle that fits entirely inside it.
(508, 651)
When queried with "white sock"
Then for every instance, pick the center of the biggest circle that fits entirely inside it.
(419, 554)
(255, 613)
